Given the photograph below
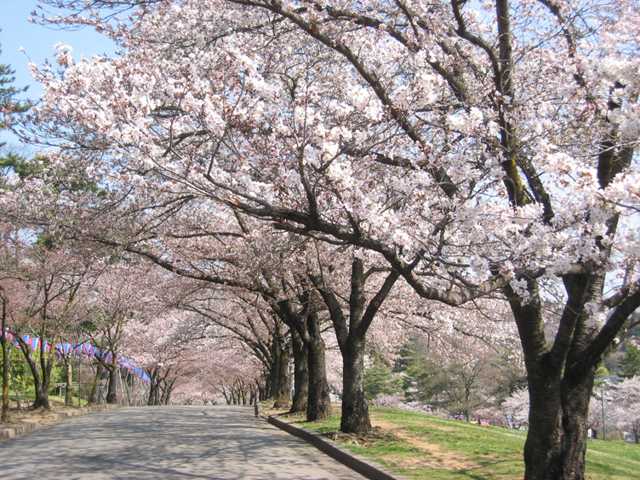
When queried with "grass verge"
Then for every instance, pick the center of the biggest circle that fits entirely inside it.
(419, 446)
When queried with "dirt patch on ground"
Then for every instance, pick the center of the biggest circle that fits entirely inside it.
(39, 416)
(434, 455)
(25, 421)
(375, 435)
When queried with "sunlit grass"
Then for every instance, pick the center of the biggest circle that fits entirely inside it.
(59, 401)
(426, 447)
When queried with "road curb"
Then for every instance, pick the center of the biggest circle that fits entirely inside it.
(7, 433)
(364, 468)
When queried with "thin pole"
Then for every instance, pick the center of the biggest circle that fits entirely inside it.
(5, 364)
(604, 430)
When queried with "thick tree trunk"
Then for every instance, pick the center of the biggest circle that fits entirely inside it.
(308, 327)
(267, 388)
(281, 384)
(112, 394)
(262, 391)
(40, 378)
(351, 336)
(576, 393)
(355, 411)
(168, 390)
(45, 366)
(466, 410)
(42, 388)
(542, 449)
(557, 438)
(319, 402)
(153, 386)
(41, 398)
(93, 395)
(279, 378)
(272, 379)
(301, 374)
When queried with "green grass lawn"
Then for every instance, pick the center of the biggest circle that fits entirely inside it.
(419, 446)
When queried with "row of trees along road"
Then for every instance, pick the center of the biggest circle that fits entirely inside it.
(345, 161)
(68, 293)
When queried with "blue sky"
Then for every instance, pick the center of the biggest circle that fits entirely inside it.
(37, 41)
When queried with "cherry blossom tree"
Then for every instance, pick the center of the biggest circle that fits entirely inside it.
(351, 323)
(51, 283)
(626, 407)
(247, 260)
(478, 147)
(249, 320)
(516, 408)
(125, 292)
(221, 371)
(157, 345)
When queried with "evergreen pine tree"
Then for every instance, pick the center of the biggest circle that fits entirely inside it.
(9, 103)
(630, 364)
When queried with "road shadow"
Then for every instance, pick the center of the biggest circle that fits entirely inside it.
(212, 443)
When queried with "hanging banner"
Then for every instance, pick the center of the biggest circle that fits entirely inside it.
(84, 349)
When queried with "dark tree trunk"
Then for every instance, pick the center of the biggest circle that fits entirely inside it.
(41, 398)
(93, 395)
(575, 394)
(351, 336)
(301, 374)
(46, 366)
(166, 393)
(42, 387)
(307, 325)
(226, 396)
(319, 402)
(267, 388)
(272, 379)
(560, 380)
(355, 411)
(157, 389)
(262, 391)
(40, 378)
(543, 447)
(466, 411)
(281, 380)
(112, 396)
(153, 387)
(557, 438)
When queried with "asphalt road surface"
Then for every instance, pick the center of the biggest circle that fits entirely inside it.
(166, 443)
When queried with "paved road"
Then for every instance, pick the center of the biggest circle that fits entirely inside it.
(212, 443)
